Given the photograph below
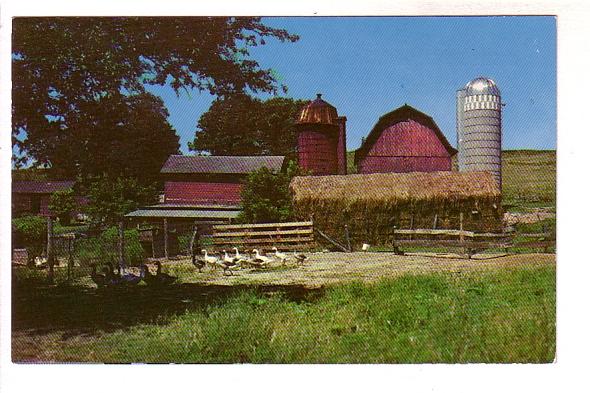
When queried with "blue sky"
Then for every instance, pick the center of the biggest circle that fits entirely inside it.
(368, 66)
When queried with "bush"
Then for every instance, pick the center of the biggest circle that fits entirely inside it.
(104, 248)
(30, 232)
(266, 196)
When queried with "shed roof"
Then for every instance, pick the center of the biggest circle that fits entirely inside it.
(221, 164)
(400, 114)
(40, 187)
(396, 188)
(188, 213)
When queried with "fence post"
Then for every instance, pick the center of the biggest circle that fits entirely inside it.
(192, 242)
(347, 235)
(166, 238)
(435, 223)
(70, 258)
(121, 245)
(461, 234)
(50, 251)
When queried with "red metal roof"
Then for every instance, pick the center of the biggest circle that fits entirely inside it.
(221, 164)
(400, 114)
(40, 187)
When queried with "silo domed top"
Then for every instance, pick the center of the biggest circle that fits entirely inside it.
(482, 85)
(318, 112)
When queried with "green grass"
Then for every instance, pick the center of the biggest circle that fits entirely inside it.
(502, 316)
(528, 178)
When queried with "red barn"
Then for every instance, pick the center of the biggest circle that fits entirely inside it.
(404, 140)
(211, 180)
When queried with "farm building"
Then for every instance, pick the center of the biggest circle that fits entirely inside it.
(32, 196)
(321, 139)
(372, 204)
(405, 140)
(205, 187)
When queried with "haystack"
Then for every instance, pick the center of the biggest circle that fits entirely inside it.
(372, 204)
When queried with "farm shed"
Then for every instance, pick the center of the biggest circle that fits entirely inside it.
(371, 205)
(404, 140)
(211, 180)
(32, 196)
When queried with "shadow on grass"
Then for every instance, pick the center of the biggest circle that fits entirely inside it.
(75, 310)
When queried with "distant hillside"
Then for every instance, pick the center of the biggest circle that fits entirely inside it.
(529, 177)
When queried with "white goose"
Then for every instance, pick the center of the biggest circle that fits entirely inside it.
(210, 260)
(264, 260)
(238, 256)
(280, 255)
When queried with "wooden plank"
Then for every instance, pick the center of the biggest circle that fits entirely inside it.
(329, 239)
(264, 233)
(269, 225)
(537, 235)
(263, 249)
(452, 243)
(447, 232)
(263, 241)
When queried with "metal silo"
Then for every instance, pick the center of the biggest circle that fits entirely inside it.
(479, 128)
(460, 118)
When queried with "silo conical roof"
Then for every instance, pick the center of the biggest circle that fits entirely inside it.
(318, 112)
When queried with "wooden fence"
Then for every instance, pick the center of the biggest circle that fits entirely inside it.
(285, 236)
(469, 242)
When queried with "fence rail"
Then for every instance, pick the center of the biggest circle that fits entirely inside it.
(284, 236)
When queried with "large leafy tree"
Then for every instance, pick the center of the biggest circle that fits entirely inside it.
(70, 73)
(242, 125)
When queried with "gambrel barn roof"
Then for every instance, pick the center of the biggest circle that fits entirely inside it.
(398, 115)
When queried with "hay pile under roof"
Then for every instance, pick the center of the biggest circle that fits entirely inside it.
(396, 187)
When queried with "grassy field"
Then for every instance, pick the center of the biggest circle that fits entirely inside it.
(489, 316)
(529, 178)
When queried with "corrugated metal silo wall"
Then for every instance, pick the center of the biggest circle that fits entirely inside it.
(482, 134)
(460, 118)
(318, 150)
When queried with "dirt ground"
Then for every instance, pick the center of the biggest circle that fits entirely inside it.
(332, 268)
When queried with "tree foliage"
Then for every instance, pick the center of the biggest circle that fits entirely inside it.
(111, 198)
(75, 77)
(62, 204)
(242, 125)
(266, 196)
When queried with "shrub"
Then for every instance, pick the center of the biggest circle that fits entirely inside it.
(266, 196)
(30, 232)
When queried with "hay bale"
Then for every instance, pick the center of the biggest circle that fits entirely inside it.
(371, 204)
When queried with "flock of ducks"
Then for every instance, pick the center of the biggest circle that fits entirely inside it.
(231, 263)
(109, 277)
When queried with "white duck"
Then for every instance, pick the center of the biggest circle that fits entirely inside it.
(365, 247)
(210, 260)
(280, 255)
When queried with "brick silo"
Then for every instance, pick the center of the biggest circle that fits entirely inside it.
(321, 139)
